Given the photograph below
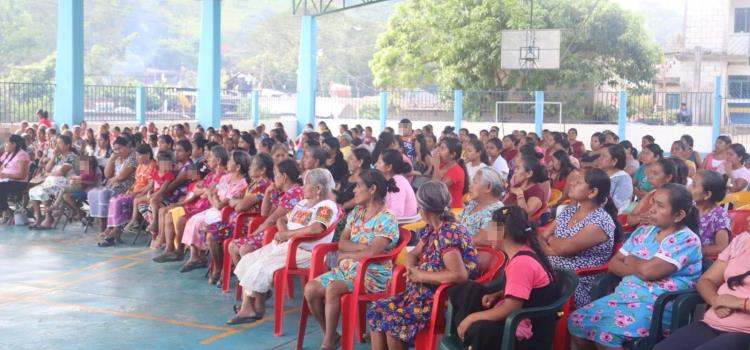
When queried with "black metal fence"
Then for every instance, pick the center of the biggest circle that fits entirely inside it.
(420, 105)
(109, 103)
(20, 101)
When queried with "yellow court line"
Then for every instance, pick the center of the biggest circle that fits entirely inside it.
(54, 279)
(250, 326)
(99, 310)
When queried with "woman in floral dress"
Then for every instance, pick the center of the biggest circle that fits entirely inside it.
(371, 229)
(659, 258)
(445, 254)
(708, 189)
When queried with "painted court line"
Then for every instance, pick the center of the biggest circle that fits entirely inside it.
(54, 279)
(242, 329)
(105, 311)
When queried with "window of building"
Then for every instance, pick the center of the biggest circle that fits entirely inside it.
(739, 86)
(742, 20)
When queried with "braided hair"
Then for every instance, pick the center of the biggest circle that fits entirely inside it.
(521, 230)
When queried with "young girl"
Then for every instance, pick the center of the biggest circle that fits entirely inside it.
(736, 170)
(708, 189)
(661, 257)
(661, 173)
(476, 158)
(160, 179)
(716, 160)
(142, 185)
(480, 312)
(87, 178)
(450, 169)
(649, 155)
(562, 172)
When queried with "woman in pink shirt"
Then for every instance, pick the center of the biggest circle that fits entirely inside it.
(402, 203)
(726, 287)
(14, 171)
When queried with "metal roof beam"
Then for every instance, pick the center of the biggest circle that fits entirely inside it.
(324, 7)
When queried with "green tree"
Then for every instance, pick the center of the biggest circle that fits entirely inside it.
(456, 44)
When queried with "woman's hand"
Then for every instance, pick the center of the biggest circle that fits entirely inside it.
(414, 275)
(518, 191)
(722, 312)
(282, 236)
(488, 300)
(728, 301)
(464, 326)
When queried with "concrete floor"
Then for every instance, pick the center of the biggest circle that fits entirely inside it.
(58, 290)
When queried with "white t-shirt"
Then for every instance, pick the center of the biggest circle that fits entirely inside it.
(741, 173)
(324, 212)
(472, 170)
(502, 166)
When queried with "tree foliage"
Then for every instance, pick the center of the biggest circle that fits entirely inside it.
(456, 44)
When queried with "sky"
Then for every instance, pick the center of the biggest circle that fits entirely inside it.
(676, 5)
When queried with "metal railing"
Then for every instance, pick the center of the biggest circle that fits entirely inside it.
(662, 108)
(347, 107)
(420, 105)
(170, 103)
(109, 103)
(20, 101)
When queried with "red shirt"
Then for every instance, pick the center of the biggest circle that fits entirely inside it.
(578, 148)
(46, 122)
(509, 154)
(457, 176)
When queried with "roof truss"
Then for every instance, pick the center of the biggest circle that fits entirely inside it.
(324, 7)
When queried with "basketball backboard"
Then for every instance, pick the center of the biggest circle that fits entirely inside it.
(530, 49)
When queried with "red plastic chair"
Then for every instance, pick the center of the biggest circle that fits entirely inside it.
(352, 304)
(739, 221)
(626, 229)
(268, 236)
(427, 338)
(283, 278)
(562, 336)
(254, 221)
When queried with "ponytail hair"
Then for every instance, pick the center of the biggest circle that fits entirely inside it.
(737, 281)
(371, 177)
(521, 230)
(434, 197)
(680, 199)
(395, 159)
(597, 178)
(479, 147)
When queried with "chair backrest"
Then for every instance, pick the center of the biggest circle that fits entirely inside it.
(568, 282)
(491, 262)
(739, 221)
(554, 198)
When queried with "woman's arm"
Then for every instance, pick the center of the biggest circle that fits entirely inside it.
(124, 173)
(413, 256)
(638, 215)
(312, 229)
(530, 205)
(499, 313)
(24, 165)
(181, 178)
(710, 281)
(454, 271)
(266, 205)
(738, 185)
(588, 237)
(653, 269)
(271, 219)
(109, 169)
(377, 247)
(698, 162)
(246, 202)
(721, 241)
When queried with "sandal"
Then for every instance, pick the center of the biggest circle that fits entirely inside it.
(107, 242)
(335, 346)
(236, 320)
(167, 257)
(192, 265)
(215, 279)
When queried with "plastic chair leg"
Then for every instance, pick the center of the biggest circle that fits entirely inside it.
(348, 323)
(238, 293)
(226, 269)
(290, 286)
(362, 324)
(304, 313)
(279, 283)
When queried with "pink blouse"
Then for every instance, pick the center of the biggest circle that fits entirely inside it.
(737, 257)
(402, 203)
(11, 164)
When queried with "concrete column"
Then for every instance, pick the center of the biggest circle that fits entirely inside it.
(622, 117)
(458, 108)
(255, 103)
(307, 73)
(383, 110)
(69, 63)
(716, 129)
(208, 106)
(538, 112)
(140, 105)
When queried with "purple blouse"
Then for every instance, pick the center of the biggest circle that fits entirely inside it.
(712, 222)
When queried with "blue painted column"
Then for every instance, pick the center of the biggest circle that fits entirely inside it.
(69, 63)
(255, 104)
(383, 110)
(716, 130)
(208, 106)
(622, 117)
(538, 111)
(307, 73)
(458, 108)
(140, 105)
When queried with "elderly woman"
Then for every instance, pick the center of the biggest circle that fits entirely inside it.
(486, 190)
(58, 170)
(445, 254)
(311, 216)
(120, 175)
(371, 229)
(14, 172)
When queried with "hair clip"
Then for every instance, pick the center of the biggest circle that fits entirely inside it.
(527, 229)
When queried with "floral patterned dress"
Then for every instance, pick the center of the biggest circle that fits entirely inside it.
(287, 200)
(222, 230)
(383, 224)
(403, 315)
(626, 313)
(715, 220)
(475, 221)
(592, 257)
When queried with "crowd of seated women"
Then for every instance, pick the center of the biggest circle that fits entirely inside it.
(186, 191)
